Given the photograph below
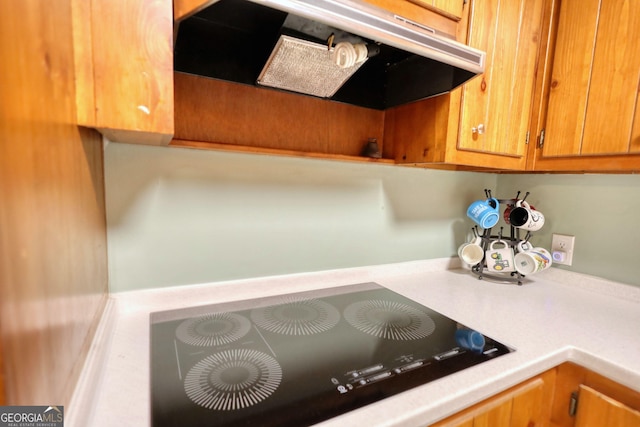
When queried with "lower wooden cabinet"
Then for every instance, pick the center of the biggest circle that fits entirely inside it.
(525, 405)
(596, 409)
(566, 396)
(577, 383)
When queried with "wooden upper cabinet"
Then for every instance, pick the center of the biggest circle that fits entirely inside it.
(212, 114)
(496, 106)
(416, 10)
(449, 8)
(452, 8)
(485, 123)
(124, 68)
(184, 8)
(441, 15)
(591, 119)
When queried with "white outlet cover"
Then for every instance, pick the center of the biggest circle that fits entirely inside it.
(563, 243)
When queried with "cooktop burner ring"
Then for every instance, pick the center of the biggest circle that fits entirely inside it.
(297, 317)
(233, 379)
(213, 329)
(389, 319)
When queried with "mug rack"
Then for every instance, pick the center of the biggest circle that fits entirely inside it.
(512, 239)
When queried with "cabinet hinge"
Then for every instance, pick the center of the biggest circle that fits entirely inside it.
(526, 140)
(541, 139)
(573, 404)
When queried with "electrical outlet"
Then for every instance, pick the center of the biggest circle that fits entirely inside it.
(562, 247)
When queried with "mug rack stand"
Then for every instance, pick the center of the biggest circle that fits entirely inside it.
(512, 239)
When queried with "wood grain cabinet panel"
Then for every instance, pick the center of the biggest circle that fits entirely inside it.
(485, 123)
(634, 145)
(53, 267)
(545, 400)
(500, 99)
(500, 416)
(525, 405)
(441, 15)
(426, 133)
(453, 8)
(615, 79)
(568, 68)
(417, 11)
(600, 399)
(213, 114)
(570, 78)
(596, 409)
(124, 68)
(449, 8)
(591, 82)
(3, 399)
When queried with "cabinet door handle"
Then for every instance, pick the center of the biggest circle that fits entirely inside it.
(479, 130)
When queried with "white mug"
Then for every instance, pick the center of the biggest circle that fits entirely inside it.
(471, 252)
(524, 246)
(500, 260)
(532, 261)
(522, 216)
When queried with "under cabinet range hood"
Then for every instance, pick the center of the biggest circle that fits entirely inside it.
(343, 50)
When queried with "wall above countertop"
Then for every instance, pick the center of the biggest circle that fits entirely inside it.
(601, 210)
(185, 216)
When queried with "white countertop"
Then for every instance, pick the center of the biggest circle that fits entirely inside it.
(554, 317)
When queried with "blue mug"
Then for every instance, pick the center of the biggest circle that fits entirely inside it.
(485, 213)
(470, 339)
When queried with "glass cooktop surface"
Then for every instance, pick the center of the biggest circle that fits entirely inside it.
(298, 359)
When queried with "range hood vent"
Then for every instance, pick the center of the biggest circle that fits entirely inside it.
(306, 67)
(294, 42)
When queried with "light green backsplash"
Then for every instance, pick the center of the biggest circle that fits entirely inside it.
(602, 211)
(180, 216)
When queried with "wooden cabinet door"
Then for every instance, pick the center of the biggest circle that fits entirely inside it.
(596, 410)
(449, 8)
(500, 416)
(485, 123)
(591, 116)
(124, 68)
(521, 406)
(496, 105)
(422, 12)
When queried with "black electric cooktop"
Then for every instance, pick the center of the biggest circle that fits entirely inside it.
(298, 359)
